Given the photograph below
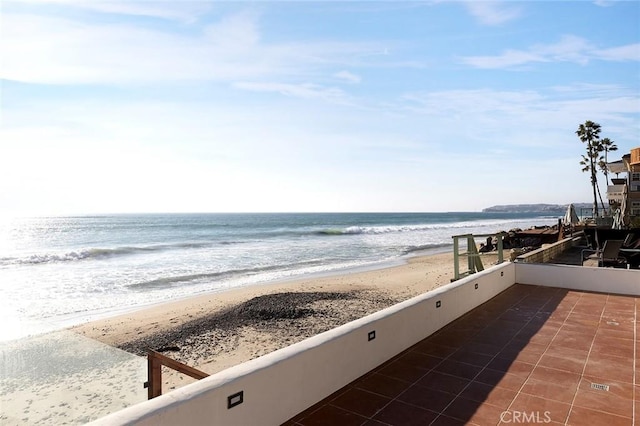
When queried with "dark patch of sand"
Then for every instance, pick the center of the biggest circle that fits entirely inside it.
(281, 319)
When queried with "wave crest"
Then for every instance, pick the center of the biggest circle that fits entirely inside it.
(97, 253)
(220, 275)
(387, 229)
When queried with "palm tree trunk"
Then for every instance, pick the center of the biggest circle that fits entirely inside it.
(604, 209)
(594, 184)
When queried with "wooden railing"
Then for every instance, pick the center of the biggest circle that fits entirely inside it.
(155, 361)
(474, 262)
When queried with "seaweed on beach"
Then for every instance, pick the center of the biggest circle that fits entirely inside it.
(265, 312)
(280, 306)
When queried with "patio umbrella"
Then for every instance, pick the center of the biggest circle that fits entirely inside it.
(570, 217)
(624, 214)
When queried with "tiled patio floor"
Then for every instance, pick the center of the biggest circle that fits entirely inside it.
(531, 355)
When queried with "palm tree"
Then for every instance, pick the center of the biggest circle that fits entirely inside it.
(589, 133)
(607, 145)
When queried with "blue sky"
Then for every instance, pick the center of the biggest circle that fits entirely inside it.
(146, 106)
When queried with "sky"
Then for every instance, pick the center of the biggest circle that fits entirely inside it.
(206, 106)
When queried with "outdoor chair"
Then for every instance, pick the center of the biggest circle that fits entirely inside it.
(608, 256)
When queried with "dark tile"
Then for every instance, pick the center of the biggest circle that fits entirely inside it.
(332, 415)
(443, 420)
(500, 379)
(459, 369)
(398, 413)
(420, 360)
(468, 410)
(530, 353)
(315, 407)
(430, 348)
(480, 392)
(450, 339)
(381, 384)
(468, 356)
(402, 371)
(509, 366)
(374, 423)
(481, 347)
(535, 336)
(426, 398)
(361, 402)
(443, 382)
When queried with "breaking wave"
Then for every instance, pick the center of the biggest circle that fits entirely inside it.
(220, 275)
(374, 230)
(98, 253)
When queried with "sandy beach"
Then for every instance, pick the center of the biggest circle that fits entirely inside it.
(215, 331)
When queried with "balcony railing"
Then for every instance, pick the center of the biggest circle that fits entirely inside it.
(615, 192)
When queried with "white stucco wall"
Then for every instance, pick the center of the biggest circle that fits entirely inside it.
(607, 280)
(279, 385)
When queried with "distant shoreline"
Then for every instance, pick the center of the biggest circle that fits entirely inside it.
(545, 209)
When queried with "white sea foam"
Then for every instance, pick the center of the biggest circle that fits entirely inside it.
(59, 270)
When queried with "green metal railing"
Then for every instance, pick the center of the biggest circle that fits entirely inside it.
(474, 262)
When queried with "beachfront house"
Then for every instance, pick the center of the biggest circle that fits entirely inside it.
(624, 190)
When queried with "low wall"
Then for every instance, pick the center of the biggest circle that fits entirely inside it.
(549, 252)
(275, 387)
(603, 280)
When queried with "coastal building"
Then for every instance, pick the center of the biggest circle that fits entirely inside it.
(624, 190)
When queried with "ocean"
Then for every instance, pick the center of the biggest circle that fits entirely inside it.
(60, 271)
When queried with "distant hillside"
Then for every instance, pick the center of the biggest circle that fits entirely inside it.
(534, 208)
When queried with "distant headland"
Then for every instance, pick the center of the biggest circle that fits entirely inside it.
(535, 208)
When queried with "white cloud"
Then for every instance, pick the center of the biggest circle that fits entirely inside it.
(493, 13)
(569, 48)
(509, 59)
(185, 11)
(284, 132)
(303, 91)
(234, 32)
(630, 52)
(348, 77)
(54, 50)
(153, 156)
(605, 3)
(62, 51)
(513, 119)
